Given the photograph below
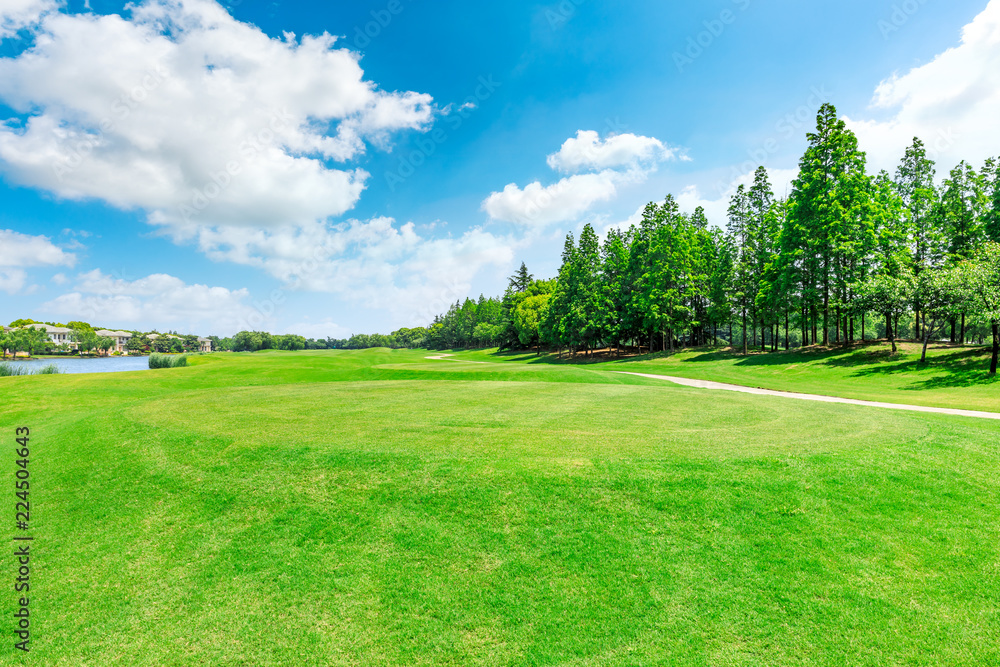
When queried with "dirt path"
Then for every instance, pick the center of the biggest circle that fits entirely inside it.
(704, 384)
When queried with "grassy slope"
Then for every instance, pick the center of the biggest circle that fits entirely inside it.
(954, 377)
(378, 509)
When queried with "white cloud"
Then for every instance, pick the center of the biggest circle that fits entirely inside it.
(622, 159)
(157, 301)
(13, 281)
(538, 206)
(717, 209)
(17, 15)
(373, 263)
(21, 250)
(201, 120)
(587, 152)
(952, 103)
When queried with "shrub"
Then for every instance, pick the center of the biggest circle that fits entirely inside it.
(167, 361)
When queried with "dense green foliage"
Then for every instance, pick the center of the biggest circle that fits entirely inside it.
(847, 257)
(378, 508)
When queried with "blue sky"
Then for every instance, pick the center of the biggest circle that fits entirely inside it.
(425, 152)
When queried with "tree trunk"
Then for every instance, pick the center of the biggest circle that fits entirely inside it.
(805, 327)
(889, 332)
(745, 334)
(787, 346)
(996, 348)
(962, 339)
(927, 339)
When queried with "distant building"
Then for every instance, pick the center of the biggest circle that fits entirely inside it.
(119, 338)
(58, 335)
(204, 345)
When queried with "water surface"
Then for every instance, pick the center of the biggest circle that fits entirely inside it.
(98, 365)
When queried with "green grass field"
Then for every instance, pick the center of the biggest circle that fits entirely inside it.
(953, 377)
(379, 508)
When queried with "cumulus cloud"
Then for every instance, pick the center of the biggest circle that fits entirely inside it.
(952, 103)
(537, 205)
(717, 206)
(587, 152)
(622, 159)
(157, 301)
(16, 15)
(21, 251)
(375, 263)
(201, 120)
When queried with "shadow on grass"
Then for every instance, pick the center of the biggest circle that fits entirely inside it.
(964, 367)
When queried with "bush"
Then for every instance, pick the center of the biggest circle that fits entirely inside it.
(9, 370)
(167, 361)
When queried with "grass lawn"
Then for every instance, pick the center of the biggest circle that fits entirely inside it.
(953, 377)
(378, 508)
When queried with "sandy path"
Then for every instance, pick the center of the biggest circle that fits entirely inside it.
(704, 384)
(444, 357)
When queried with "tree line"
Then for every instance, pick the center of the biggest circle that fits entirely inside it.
(846, 256)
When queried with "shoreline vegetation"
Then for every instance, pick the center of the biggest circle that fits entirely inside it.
(157, 360)
(9, 369)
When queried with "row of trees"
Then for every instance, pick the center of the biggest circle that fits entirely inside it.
(843, 247)
(84, 339)
(846, 256)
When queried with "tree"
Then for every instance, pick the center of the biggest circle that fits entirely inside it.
(744, 290)
(104, 344)
(991, 186)
(889, 295)
(940, 291)
(528, 314)
(962, 208)
(85, 338)
(982, 279)
(828, 204)
(248, 341)
(915, 186)
(521, 280)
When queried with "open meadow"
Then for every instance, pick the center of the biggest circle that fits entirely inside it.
(382, 508)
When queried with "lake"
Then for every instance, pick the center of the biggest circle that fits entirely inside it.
(99, 365)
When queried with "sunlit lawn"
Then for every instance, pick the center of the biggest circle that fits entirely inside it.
(378, 508)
